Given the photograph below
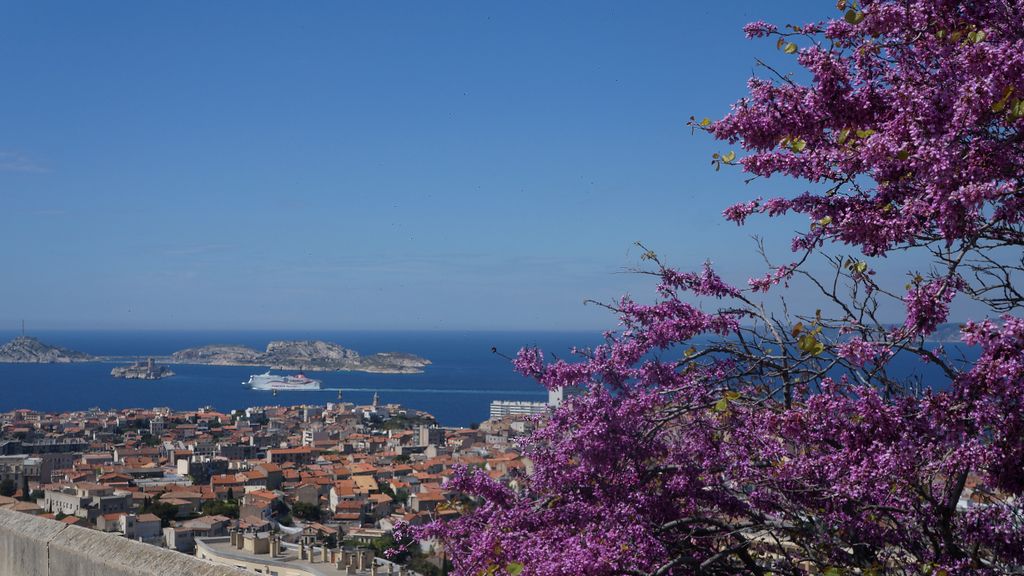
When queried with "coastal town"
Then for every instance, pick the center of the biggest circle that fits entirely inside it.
(306, 489)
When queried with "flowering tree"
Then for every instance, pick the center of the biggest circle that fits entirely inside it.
(749, 441)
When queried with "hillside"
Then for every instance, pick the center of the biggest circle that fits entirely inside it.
(29, 350)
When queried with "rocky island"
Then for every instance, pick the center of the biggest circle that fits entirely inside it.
(29, 350)
(147, 370)
(309, 355)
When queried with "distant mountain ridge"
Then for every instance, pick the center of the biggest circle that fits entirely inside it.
(312, 355)
(29, 350)
(947, 333)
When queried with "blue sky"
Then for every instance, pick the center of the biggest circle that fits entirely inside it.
(393, 165)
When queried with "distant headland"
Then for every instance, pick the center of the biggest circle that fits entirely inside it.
(309, 355)
(29, 350)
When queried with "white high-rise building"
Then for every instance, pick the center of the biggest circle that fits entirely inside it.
(502, 408)
(556, 396)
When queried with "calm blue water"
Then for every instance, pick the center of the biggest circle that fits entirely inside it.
(457, 388)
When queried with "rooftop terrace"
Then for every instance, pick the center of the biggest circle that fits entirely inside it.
(268, 555)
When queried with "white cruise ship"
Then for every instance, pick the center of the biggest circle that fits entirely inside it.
(268, 381)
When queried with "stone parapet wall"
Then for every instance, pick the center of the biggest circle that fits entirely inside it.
(33, 546)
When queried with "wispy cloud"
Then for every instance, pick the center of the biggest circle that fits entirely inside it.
(11, 161)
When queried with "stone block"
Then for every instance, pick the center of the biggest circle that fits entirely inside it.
(23, 539)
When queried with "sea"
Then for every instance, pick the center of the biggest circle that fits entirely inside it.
(457, 388)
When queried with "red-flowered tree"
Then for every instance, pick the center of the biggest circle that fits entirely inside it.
(749, 441)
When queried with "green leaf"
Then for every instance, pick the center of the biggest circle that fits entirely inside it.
(825, 221)
(1017, 109)
(903, 154)
(860, 267)
(843, 135)
(790, 48)
(731, 395)
(854, 16)
(864, 133)
(832, 571)
(798, 145)
(808, 344)
(728, 157)
(722, 405)
(514, 568)
(1000, 104)
(705, 122)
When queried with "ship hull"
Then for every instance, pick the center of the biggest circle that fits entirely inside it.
(281, 383)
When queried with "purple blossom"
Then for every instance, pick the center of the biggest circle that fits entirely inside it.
(759, 29)
(928, 304)
(764, 283)
(703, 446)
(860, 352)
(529, 362)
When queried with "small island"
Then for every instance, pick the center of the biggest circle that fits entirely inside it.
(308, 355)
(147, 370)
(29, 350)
